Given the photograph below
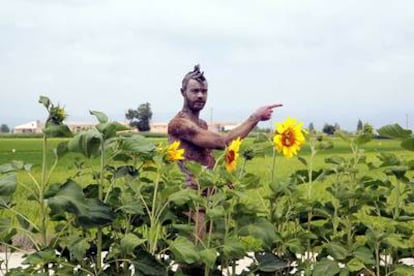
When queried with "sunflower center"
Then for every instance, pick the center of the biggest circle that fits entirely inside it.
(288, 138)
(230, 156)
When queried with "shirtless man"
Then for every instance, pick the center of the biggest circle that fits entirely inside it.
(192, 132)
(198, 142)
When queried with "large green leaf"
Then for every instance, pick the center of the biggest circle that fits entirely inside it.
(137, 144)
(394, 131)
(109, 129)
(261, 229)
(365, 255)
(233, 248)
(86, 142)
(100, 116)
(12, 166)
(129, 242)
(147, 264)
(326, 267)
(268, 262)
(215, 212)
(355, 265)
(69, 197)
(184, 251)
(7, 231)
(53, 130)
(78, 248)
(98, 214)
(208, 256)
(337, 251)
(403, 270)
(8, 183)
(41, 258)
(183, 196)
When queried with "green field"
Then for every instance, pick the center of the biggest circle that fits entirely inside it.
(30, 151)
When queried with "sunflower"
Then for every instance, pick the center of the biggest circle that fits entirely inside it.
(232, 154)
(57, 115)
(289, 137)
(174, 153)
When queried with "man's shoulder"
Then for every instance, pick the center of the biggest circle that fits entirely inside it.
(179, 123)
(179, 117)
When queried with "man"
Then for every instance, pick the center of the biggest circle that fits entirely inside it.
(198, 142)
(192, 132)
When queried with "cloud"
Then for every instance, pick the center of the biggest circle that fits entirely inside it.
(320, 58)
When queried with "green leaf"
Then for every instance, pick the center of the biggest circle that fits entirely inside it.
(355, 265)
(98, 214)
(100, 116)
(86, 142)
(78, 249)
(8, 183)
(364, 254)
(326, 267)
(403, 270)
(268, 262)
(129, 242)
(7, 231)
(147, 264)
(45, 101)
(303, 161)
(337, 251)
(208, 256)
(184, 250)
(394, 131)
(69, 197)
(109, 129)
(183, 196)
(337, 160)
(216, 212)
(233, 248)
(53, 130)
(408, 144)
(261, 229)
(137, 144)
(41, 258)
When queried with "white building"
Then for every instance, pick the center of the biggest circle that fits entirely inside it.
(30, 127)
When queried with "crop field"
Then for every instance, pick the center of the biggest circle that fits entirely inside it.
(30, 151)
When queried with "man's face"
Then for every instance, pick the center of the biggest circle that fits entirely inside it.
(195, 95)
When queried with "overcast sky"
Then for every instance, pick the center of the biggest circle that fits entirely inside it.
(327, 61)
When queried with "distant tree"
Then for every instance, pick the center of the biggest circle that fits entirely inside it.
(4, 128)
(329, 129)
(359, 126)
(311, 128)
(140, 118)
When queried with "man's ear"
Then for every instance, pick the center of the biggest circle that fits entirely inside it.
(182, 91)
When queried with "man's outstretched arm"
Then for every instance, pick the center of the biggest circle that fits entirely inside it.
(204, 138)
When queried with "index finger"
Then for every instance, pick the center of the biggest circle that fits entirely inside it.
(274, 105)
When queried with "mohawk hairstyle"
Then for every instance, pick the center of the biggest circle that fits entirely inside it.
(196, 74)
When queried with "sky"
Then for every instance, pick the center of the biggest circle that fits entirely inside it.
(326, 61)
